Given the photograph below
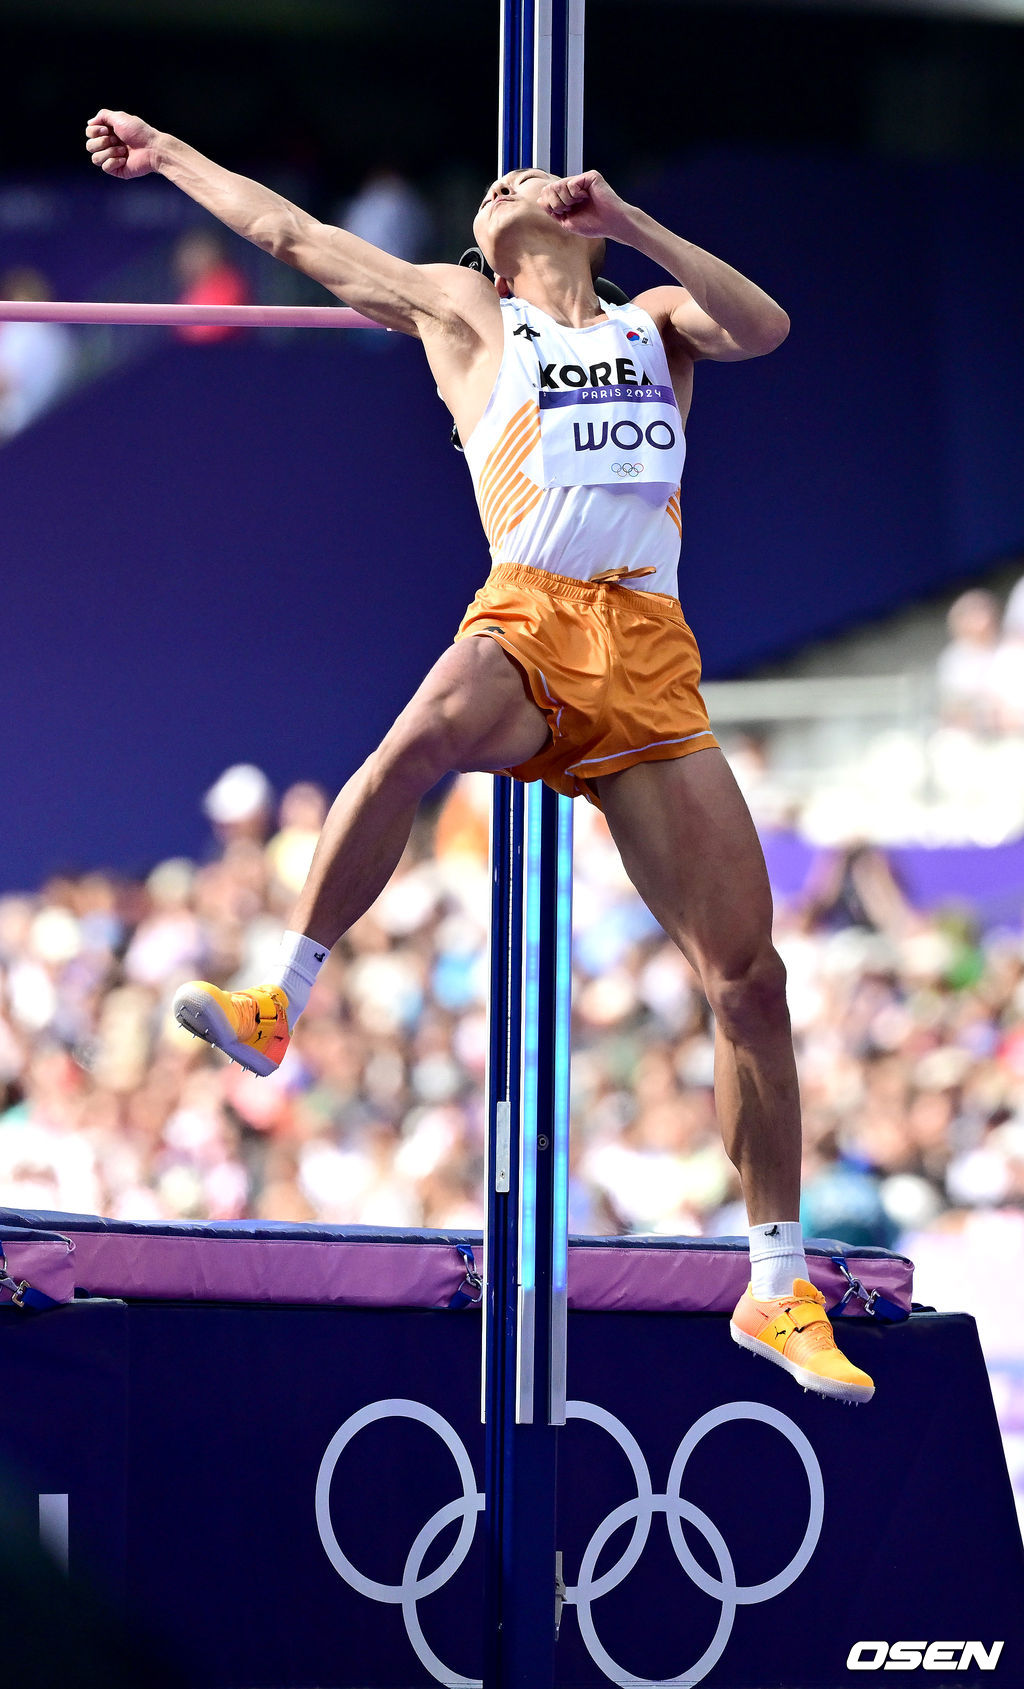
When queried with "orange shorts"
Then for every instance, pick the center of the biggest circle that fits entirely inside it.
(616, 672)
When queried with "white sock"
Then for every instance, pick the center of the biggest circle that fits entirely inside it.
(776, 1257)
(298, 963)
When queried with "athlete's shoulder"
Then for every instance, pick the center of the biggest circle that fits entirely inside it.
(459, 276)
(469, 294)
(659, 303)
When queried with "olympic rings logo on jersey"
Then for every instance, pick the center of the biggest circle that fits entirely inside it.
(583, 1595)
(629, 470)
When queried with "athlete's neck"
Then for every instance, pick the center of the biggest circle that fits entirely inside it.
(563, 291)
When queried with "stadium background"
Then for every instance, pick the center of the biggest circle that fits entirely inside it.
(249, 551)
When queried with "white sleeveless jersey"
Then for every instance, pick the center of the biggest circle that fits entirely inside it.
(577, 459)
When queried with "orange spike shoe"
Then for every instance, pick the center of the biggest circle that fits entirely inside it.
(794, 1331)
(249, 1026)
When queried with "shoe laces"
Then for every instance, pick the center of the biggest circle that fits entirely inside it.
(817, 1335)
(248, 1013)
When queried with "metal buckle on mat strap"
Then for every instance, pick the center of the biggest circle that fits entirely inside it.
(17, 1290)
(22, 1293)
(875, 1304)
(471, 1290)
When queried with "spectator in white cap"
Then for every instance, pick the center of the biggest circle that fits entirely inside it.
(965, 668)
(240, 804)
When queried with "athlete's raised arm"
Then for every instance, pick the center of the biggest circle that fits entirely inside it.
(414, 298)
(715, 312)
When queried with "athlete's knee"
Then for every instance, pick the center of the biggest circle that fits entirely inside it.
(428, 740)
(747, 994)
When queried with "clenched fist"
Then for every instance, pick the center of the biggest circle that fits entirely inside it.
(586, 204)
(120, 144)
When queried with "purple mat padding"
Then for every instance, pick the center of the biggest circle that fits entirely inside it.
(40, 1259)
(356, 1266)
(709, 1275)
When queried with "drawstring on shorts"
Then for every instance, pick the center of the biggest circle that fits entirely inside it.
(612, 577)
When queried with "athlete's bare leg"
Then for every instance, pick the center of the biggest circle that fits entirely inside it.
(471, 712)
(689, 845)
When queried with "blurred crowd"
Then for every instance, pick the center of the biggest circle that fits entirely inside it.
(201, 265)
(981, 669)
(893, 735)
(909, 1030)
(37, 360)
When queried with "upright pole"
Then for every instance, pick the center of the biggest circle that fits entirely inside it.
(526, 1241)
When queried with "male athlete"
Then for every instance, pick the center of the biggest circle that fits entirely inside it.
(571, 413)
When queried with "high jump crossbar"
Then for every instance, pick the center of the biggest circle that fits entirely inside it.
(179, 316)
(527, 1170)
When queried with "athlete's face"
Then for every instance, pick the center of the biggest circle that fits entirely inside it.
(510, 200)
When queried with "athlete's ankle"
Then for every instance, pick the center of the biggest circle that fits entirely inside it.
(776, 1258)
(299, 961)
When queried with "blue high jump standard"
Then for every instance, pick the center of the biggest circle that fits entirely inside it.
(526, 1240)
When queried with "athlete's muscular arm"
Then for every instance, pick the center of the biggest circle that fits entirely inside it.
(715, 312)
(436, 301)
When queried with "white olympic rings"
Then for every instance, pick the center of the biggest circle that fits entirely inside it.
(412, 1587)
(590, 1588)
(629, 470)
(725, 1587)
